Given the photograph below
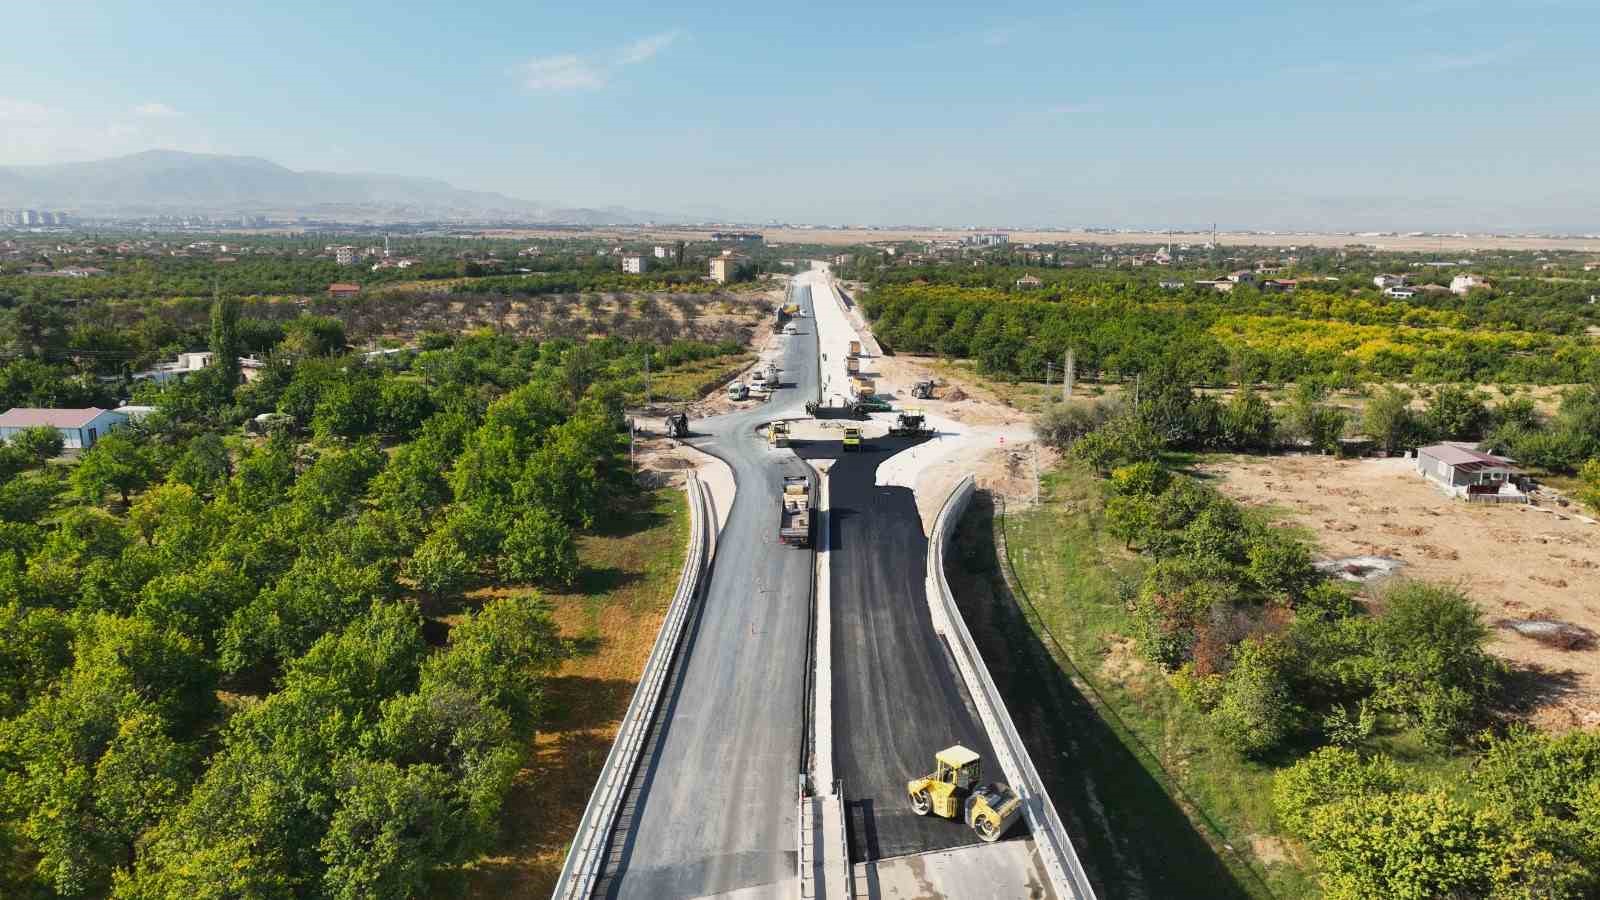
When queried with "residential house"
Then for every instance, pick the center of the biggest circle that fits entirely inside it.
(634, 263)
(1461, 285)
(79, 428)
(1280, 285)
(1243, 276)
(662, 252)
(1400, 292)
(1384, 282)
(344, 256)
(1220, 285)
(1028, 282)
(1171, 285)
(343, 289)
(1460, 469)
(185, 364)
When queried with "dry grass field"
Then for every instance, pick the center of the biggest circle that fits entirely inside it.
(1518, 562)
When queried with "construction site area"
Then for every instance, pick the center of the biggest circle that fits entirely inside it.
(1533, 569)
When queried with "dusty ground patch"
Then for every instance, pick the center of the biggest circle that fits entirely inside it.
(1517, 562)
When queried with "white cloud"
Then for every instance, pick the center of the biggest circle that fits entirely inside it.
(33, 132)
(569, 72)
(156, 111)
(647, 47)
(561, 73)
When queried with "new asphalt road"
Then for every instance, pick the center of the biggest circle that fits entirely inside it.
(713, 807)
(897, 696)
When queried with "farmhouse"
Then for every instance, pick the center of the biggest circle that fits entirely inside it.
(1462, 470)
(79, 428)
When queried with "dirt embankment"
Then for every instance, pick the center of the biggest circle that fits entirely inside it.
(1519, 563)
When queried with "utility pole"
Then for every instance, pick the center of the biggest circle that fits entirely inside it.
(1136, 378)
(647, 378)
(1069, 374)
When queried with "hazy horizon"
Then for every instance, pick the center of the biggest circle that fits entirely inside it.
(1442, 115)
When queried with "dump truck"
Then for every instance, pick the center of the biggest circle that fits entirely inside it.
(790, 329)
(910, 423)
(852, 365)
(737, 391)
(794, 513)
(790, 309)
(676, 424)
(862, 387)
(855, 348)
(953, 791)
(922, 390)
(778, 434)
(852, 439)
(758, 377)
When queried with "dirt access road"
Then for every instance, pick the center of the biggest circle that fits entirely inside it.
(1517, 562)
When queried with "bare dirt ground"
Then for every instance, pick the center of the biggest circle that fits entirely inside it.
(1517, 562)
(840, 237)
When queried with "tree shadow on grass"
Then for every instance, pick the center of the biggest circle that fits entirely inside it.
(579, 703)
(597, 580)
(627, 515)
(1134, 838)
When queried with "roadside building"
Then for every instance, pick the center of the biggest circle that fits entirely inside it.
(185, 364)
(79, 428)
(1280, 285)
(343, 289)
(1462, 470)
(1384, 282)
(1461, 285)
(726, 268)
(634, 263)
(344, 256)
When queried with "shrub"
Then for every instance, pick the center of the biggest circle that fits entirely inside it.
(1256, 711)
(1427, 661)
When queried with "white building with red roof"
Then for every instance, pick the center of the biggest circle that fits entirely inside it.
(79, 428)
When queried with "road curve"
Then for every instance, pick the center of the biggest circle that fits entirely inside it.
(714, 801)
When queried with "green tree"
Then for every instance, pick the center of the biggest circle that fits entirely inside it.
(41, 443)
(1389, 419)
(1427, 662)
(1589, 489)
(225, 341)
(115, 463)
(394, 828)
(539, 547)
(1455, 413)
(204, 464)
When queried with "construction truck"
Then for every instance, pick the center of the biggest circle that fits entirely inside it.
(910, 423)
(676, 424)
(852, 365)
(794, 513)
(922, 390)
(855, 348)
(952, 791)
(852, 439)
(862, 387)
(778, 434)
(737, 391)
(758, 377)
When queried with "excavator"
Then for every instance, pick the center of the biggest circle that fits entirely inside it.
(952, 791)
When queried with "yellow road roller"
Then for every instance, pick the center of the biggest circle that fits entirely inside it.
(953, 791)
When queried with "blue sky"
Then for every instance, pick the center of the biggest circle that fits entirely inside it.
(1410, 113)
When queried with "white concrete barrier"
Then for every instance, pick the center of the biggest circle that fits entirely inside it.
(1060, 858)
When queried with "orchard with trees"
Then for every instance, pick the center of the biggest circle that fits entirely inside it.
(226, 670)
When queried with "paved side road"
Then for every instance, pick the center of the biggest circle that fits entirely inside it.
(714, 808)
(897, 696)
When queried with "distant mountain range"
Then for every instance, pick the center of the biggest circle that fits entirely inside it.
(173, 182)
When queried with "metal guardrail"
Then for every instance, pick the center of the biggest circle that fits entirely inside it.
(582, 869)
(1050, 836)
